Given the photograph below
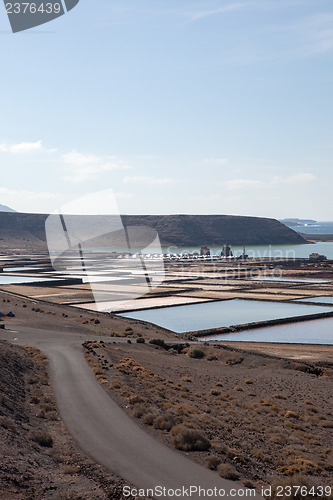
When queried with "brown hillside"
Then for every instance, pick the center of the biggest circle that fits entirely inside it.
(18, 230)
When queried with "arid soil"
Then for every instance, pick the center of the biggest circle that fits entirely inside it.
(265, 418)
(265, 415)
(39, 314)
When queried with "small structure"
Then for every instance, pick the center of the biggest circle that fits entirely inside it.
(244, 255)
(205, 251)
(226, 251)
(316, 257)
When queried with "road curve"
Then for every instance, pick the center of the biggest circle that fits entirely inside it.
(104, 431)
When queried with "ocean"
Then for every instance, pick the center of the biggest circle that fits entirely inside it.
(325, 227)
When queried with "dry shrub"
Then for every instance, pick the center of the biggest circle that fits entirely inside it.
(126, 391)
(259, 454)
(140, 340)
(196, 352)
(114, 384)
(165, 422)
(248, 381)
(212, 357)
(234, 455)
(97, 370)
(234, 361)
(135, 399)
(139, 410)
(302, 367)
(279, 396)
(187, 439)
(299, 465)
(213, 462)
(238, 388)
(148, 419)
(186, 379)
(159, 342)
(42, 438)
(227, 471)
(215, 392)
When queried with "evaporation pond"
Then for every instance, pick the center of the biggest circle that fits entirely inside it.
(18, 269)
(324, 299)
(292, 280)
(318, 331)
(210, 315)
(18, 280)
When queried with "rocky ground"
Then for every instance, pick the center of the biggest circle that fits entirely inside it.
(259, 416)
(256, 418)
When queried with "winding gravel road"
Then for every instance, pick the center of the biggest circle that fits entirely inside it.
(106, 433)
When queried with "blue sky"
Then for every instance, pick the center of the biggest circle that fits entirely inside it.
(178, 106)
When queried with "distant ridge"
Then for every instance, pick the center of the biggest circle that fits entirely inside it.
(20, 230)
(4, 208)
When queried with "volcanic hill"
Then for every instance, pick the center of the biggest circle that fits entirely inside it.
(22, 230)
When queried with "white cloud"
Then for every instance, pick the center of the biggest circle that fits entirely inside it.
(31, 195)
(24, 148)
(295, 179)
(196, 16)
(87, 167)
(301, 178)
(148, 180)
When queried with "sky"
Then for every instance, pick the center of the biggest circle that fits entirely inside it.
(178, 106)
